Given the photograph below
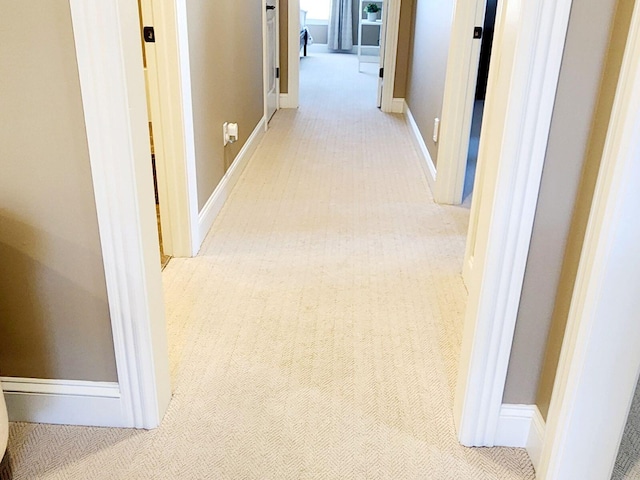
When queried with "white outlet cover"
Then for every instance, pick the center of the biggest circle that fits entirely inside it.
(436, 130)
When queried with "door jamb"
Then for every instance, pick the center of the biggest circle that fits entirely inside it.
(600, 359)
(265, 73)
(109, 55)
(390, 56)
(171, 102)
(523, 78)
(458, 102)
(293, 54)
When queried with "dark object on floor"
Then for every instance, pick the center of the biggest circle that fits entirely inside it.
(6, 472)
(304, 39)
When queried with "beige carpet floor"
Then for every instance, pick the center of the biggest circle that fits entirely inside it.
(316, 334)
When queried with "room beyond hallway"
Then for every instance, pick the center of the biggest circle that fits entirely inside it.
(317, 333)
(334, 77)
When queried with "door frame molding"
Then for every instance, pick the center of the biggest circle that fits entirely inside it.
(458, 102)
(265, 72)
(523, 77)
(171, 108)
(390, 56)
(109, 55)
(600, 359)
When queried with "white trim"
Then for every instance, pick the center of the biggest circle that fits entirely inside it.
(514, 425)
(265, 61)
(427, 163)
(600, 359)
(458, 102)
(170, 98)
(521, 426)
(398, 105)
(107, 40)
(60, 387)
(293, 55)
(536, 438)
(284, 101)
(63, 402)
(188, 146)
(219, 196)
(392, 28)
(523, 78)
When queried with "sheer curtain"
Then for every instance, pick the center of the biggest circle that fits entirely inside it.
(340, 25)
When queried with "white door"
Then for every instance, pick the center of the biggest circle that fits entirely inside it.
(271, 58)
(154, 112)
(383, 36)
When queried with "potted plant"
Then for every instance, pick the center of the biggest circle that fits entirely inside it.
(372, 10)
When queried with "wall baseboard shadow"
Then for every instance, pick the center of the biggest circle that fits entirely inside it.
(219, 196)
(427, 162)
(521, 426)
(64, 402)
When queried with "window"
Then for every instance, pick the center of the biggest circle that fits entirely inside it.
(316, 9)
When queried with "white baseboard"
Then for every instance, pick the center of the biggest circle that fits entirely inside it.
(397, 105)
(536, 438)
(285, 102)
(64, 402)
(427, 163)
(216, 201)
(521, 426)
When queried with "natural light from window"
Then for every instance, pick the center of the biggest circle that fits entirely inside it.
(316, 9)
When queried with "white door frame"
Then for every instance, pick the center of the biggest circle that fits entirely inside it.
(171, 111)
(265, 71)
(524, 72)
(390, 57)
(458, 102)
(107, 40)
(600, 359)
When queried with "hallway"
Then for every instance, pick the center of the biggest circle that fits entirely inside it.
(316, 334)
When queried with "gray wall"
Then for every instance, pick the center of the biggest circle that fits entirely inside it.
(576, 111)
(226, 76)
(428, 65)
(319, 34)
(54, 318)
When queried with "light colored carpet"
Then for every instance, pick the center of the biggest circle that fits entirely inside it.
(628, 462)
(316, 335)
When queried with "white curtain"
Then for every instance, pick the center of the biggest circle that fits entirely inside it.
(340, 25)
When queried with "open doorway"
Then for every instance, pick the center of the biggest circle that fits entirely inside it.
(343, 36)
(363, 32)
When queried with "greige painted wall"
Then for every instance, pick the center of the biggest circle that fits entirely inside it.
(562, 194)
(428, 65)
(284, 46)
(226, 78)
(600, 125)
(404, 52)
(54, 317)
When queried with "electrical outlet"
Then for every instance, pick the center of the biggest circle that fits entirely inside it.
(229, 133)
(436, 130)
